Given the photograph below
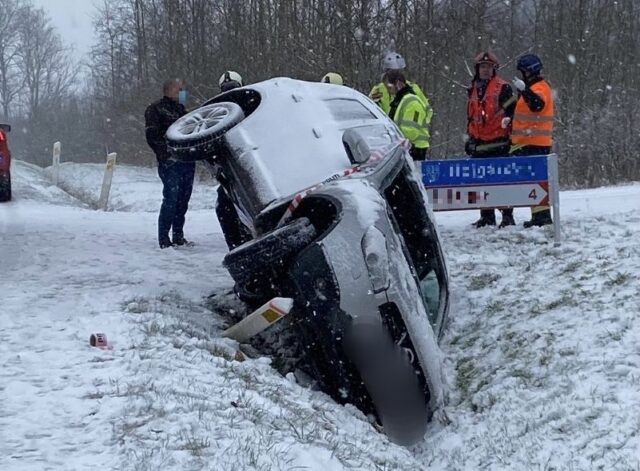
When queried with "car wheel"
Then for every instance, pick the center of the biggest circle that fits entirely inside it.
(194, 136)
(392, 384)
(5, 187)
(269, 253)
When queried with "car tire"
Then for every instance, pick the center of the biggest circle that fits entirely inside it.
(194, 136)
(391, 383)
(269, 253)
(5, 187)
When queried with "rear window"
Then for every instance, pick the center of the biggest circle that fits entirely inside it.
(347, 110)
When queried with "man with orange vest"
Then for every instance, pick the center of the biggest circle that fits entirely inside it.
(489, 111)
(532, 125)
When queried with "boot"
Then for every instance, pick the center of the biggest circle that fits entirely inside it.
(180, 240)
(507, 218)
(165, 244)
(541, 218)
(487, 218)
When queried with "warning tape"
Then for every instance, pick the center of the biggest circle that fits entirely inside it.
(375, 157)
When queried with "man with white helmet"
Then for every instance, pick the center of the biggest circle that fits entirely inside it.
(332, 78)
(229, 80)
(234, 232)
(380, 94)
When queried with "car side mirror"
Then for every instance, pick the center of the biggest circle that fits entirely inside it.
(5, 127)
(356, 146)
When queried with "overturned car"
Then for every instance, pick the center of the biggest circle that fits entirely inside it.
(330, 214)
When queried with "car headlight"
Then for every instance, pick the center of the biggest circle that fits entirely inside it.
(376, 256)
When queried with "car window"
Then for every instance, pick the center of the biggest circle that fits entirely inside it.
(422, 246)
(347, 110)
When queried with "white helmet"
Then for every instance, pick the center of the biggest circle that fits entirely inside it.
(333, 78)
(229, 80)
(393, 61)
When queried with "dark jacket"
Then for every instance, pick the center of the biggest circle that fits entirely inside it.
(158, 117)
(534, 101)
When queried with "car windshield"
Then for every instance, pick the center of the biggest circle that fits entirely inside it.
(344, 109)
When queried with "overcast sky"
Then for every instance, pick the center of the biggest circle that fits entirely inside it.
(72, 19)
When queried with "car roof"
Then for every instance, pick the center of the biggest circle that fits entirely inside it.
(293, 139)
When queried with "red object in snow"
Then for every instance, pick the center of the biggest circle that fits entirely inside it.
(98, 340)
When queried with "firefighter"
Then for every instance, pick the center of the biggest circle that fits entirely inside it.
(410, 112)
(532, 125)
(380, 94)
(489, 111)
(332, 78)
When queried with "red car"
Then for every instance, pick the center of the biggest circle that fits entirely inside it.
(5, 164)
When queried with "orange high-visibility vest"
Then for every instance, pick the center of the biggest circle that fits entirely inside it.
(534, 128)
(485, 116)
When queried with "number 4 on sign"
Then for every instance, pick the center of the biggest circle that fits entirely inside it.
(532, 194)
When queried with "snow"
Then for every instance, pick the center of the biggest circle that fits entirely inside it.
(278, 161)
(541, 352)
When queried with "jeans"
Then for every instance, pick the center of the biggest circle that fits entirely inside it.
(177, 178)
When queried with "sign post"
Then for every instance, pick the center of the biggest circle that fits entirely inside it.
(106, 181)
(498, 182)
(55, 175)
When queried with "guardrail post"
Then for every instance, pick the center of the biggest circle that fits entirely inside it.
(55, 174)
(106, 181)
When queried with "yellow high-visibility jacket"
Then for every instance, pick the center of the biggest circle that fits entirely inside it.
(381, 96)
(413, 116)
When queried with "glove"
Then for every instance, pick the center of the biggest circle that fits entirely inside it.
(376, 96)
(505, 123)
(470, 147)
(418, 154)
(519, 84)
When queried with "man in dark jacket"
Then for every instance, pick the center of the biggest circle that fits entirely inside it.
(177, 177)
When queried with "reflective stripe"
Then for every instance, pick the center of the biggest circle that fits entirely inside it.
(509, 102)
(410, 124)
(531, 132)
(533, 118)
(491, 145)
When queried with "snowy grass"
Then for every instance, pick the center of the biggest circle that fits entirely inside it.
(543, 349)
(133, 189)
(192, 399)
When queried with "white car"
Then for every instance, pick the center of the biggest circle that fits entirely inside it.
(334, 217)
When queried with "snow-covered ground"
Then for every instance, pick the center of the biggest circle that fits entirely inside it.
(543, 346)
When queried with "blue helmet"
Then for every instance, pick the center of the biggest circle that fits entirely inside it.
(529, 63)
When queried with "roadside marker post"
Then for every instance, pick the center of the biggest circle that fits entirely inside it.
(498, 182)
(106, 181)
(57, 147)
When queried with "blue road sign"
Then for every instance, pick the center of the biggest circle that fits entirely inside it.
(490, 171)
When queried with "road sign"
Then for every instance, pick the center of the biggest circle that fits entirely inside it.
(497, 182)
(490, 171)
(489, 196)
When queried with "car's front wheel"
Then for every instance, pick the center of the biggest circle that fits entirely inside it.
(5, 187)
(269, 253)
(195, 135)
